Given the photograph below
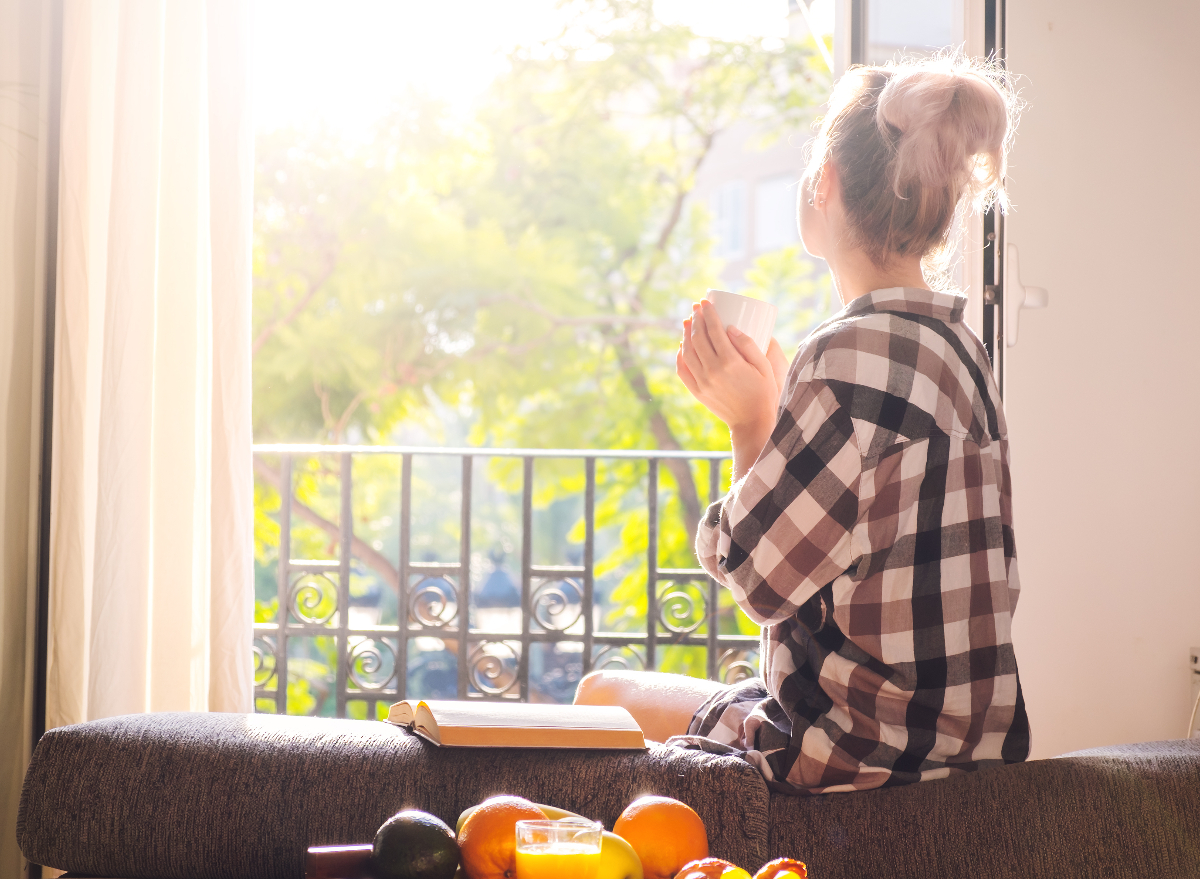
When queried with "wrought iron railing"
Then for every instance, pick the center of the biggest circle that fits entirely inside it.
(441, 642)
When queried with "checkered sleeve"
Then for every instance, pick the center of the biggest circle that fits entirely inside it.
(784, 530)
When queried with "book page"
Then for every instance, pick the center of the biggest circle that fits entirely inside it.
(476, 723)
(401, 713)
(529, 716)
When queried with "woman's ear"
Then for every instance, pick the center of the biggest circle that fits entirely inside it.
(826, 185)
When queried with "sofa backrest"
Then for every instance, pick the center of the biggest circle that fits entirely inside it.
(185, 796)
(1128, 811)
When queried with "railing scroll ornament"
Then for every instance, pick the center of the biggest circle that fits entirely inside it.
(440, 643)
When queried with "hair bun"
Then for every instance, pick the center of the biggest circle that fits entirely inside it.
(949, 122)
(916, 144)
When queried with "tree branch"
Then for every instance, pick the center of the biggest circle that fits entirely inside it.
(601, 320)
(342, 422)
(276, 325)
(672, 221)
(359, 548)
(680, 468)
(635, 376)
(323, 396)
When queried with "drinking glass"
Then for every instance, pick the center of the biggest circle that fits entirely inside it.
(569, 847)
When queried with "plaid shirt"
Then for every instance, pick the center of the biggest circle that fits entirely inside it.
(873, 541)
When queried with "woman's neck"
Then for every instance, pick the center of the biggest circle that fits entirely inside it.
(855, 275)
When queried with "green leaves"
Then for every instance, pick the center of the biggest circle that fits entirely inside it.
(529, 266)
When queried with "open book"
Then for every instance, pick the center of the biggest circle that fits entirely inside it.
(479, 724)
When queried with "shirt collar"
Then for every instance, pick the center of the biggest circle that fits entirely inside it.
(948, 307)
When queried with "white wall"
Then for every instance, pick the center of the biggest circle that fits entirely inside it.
(1104, 386)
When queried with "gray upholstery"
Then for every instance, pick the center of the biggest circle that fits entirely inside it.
(1114, 812)
(184, 796)
(220, 795)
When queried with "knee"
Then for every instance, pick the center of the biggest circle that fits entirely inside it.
(597, 688)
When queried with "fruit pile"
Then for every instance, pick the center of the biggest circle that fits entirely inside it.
(655, 838)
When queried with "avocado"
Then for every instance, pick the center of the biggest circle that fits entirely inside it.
(414, 845)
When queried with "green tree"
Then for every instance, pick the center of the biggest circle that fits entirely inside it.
(532, 263)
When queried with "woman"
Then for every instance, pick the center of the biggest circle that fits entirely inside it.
(869, 525)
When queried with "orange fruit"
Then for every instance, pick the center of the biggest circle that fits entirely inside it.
(488, 838)
(783, 868)
(665, 833)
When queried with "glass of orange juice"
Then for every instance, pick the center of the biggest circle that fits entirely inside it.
(558, 849)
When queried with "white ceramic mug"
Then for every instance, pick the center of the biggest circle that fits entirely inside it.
(753, 317)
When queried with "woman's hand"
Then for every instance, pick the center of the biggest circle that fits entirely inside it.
(725, 371)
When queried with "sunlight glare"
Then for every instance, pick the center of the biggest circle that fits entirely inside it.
(345, 62)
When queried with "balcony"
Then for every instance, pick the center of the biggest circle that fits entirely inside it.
(397, 572)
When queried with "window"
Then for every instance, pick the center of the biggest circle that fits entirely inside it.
(775, 213)
(438, 270)
(729, 219)
(910, 27)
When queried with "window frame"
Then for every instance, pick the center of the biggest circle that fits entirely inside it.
(983, 24)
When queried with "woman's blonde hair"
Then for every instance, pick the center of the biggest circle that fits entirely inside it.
(915, 144)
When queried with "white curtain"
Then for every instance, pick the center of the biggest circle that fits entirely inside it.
(151, 604)
(24, 27)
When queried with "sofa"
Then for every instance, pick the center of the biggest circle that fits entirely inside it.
(227, 796)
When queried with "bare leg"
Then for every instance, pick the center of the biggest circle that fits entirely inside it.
(662, 704)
